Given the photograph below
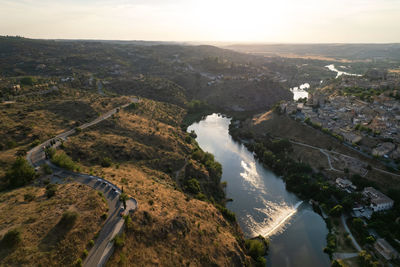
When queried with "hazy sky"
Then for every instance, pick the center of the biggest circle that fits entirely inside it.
(205, 20)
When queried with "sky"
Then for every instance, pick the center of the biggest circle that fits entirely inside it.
(245, 21)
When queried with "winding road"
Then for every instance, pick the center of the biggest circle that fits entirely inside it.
(103, 247)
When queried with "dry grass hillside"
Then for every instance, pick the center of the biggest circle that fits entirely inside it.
(29, 121)
(152, 159)
(171, 229)
(44, 240)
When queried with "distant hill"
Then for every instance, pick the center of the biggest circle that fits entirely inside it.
(338, 51)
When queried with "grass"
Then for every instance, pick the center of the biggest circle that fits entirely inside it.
(44, 237)
(147, 148)
(172, 228)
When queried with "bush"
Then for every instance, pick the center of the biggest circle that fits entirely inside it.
(106, 162)
(229, 215)
(257, 249)
(119, 240)
(85, 253)
(29, 197)
(91, 243)
(335, 263)
(193, 186)
(63, 160)
(79, 263)
(104, 216)
(68, 219)
(28, 80)
(20, 173)
(11, 238)
(51, 190)
(47, 169)
(336, 211)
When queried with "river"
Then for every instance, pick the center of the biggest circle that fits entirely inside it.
(300, 91)
(332, 67)
(261, 202)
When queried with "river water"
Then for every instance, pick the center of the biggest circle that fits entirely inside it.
(332, 67)
(300, 91)
(261, 202)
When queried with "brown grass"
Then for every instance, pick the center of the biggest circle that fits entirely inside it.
(43, 242)
(170, 229)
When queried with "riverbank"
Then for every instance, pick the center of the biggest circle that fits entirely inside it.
(304, 180)
(260, 200)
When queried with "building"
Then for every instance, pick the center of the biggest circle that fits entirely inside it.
(378, 200)
(385, 249)
(345, 184)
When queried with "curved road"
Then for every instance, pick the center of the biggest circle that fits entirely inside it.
(103, 247)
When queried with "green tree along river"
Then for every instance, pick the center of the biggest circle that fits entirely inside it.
(261, 202)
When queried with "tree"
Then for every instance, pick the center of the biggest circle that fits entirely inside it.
(11, 238)
(68, 219)
(335, 263)
(20, 173)
(28, 80)
(193, 186)
(336, 210)
(123, 198)
(51, 190)
(370, 240)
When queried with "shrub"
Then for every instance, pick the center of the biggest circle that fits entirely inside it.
(91, 243)
(68, 219)
(104, 216)
(229, 215)
(11, 238)
(28, 80)
(335, 263)
(193, 186)
(106, 162)
(119, 240)
(63, 160)
(28, 197)
(20, 173)
(336, 211)
(79, 263)
(85, 253)
(255, 248)
(47, 169)
(51, 190)
(151, 202)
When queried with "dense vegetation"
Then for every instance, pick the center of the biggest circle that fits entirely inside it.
(20, 173)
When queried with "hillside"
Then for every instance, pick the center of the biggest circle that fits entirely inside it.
(155, 162)
(44, 239)
(171, 73)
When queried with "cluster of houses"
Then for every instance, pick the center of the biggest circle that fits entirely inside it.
(353, 119)
(377, 201)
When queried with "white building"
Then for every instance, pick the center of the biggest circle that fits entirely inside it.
(378, 200)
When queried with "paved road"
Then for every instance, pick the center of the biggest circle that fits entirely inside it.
(342, 256)
(356, 245)
(103, 246)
